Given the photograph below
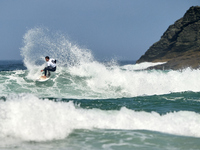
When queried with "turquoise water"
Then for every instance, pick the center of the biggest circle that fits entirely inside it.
(49, 115)
(87, 104)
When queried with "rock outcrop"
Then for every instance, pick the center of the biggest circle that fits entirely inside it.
(179, 46)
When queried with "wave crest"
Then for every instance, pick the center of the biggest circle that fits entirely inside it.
(29, 118)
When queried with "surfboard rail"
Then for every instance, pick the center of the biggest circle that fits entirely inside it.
(42, 79)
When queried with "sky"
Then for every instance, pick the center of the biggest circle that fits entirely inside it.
(119, 29)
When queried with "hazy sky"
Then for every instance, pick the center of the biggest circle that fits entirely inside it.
(122, 29)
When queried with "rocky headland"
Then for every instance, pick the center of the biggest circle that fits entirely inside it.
(179, 46)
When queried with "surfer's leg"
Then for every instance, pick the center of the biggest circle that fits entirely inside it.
(51, 69)
(48, 69)
(45, 71)
(49, 73)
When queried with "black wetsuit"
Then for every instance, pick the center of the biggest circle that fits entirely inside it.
(49, 68)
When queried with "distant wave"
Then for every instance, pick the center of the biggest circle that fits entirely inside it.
(10, 65)
(141, 66)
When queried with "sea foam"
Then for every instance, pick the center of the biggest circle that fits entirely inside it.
(80, 75)
(28, 118)
(40, 42)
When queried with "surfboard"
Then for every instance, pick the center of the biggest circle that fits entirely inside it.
(41, 79)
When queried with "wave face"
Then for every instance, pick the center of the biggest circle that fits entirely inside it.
(79, 75)
(29, 118)
(96, 81)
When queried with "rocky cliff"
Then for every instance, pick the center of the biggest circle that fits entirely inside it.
(179, 46)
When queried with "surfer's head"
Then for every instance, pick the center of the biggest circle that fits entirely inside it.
(47, 58)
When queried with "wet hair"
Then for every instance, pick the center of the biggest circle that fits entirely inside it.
(47, 57)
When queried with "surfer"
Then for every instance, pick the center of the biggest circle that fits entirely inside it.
(51, 66)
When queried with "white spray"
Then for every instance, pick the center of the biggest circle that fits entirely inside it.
(28, 118)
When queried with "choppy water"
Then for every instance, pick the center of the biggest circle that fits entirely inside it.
(88, 104)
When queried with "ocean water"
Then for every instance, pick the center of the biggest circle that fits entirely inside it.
(91, 105)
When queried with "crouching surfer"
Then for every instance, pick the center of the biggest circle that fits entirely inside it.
(51, 66)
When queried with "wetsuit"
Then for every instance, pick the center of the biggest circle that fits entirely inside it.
(51, 66)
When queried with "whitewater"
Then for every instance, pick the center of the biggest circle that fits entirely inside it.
(90, 104)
